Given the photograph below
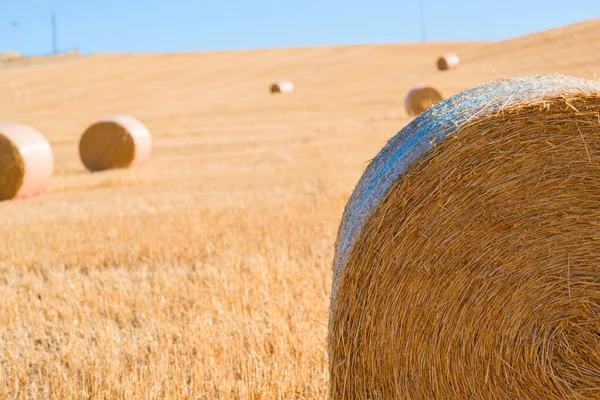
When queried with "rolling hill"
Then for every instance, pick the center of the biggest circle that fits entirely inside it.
(207, 270)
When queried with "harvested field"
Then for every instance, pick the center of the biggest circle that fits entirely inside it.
(206, 271)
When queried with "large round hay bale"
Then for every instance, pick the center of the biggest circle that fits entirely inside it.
(448, 61)
(282, 87)
(118, 141)
(467, 263)
(26, 162)
(421, 98)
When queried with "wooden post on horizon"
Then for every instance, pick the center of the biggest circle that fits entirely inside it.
(15, 45)
(54, 47)
(422, 21)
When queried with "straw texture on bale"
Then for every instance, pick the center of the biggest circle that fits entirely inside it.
(448, 61)
(26, 162)
(282, 87)
(467, 261)
(118, 141)
(421, 98)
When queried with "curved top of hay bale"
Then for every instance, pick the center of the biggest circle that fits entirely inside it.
(26, 161)
(282, 87)
(430, 128)
(116, 141)
(448, 61)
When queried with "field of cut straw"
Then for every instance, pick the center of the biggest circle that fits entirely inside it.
(206, 272)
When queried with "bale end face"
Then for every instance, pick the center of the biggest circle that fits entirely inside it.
(467, 259)
(26, 162)
(114, 142)
(12, 169)
(282, 87)
(448, 61)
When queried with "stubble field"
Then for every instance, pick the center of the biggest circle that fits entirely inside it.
(206, 272)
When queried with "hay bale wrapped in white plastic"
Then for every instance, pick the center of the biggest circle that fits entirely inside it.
(118, 141)
(282, 87)
(467, 260)
(26, 161)
(421, 98)
(448, 61)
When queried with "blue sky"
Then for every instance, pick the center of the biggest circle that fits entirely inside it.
(201, 25)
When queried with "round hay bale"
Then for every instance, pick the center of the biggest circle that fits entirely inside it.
(448, 61)
(282, 87)
(26, 162)
(118, 141)
(467, 260)
(421, 98)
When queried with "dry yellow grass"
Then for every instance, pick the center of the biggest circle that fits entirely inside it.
(206, 272)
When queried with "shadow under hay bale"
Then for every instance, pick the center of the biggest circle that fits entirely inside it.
(421, 98)
(448, 61)
(26, 162)
(282, 87)
(466, 263)
(118, 141)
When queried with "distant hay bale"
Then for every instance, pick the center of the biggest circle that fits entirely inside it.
(118, 141)
(467, 260)
(421, 98)
(26, 162)
(282, 87)
(10, 56)
(448, 61)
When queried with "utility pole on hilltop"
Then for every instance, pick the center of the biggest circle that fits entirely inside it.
(422, 20)
(15, 24)
(54, 47)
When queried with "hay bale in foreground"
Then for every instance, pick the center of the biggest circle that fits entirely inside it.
(26, 162)
(467, 260)
(448, 61)
(421, 98)
(282, 87)
(118, 141)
